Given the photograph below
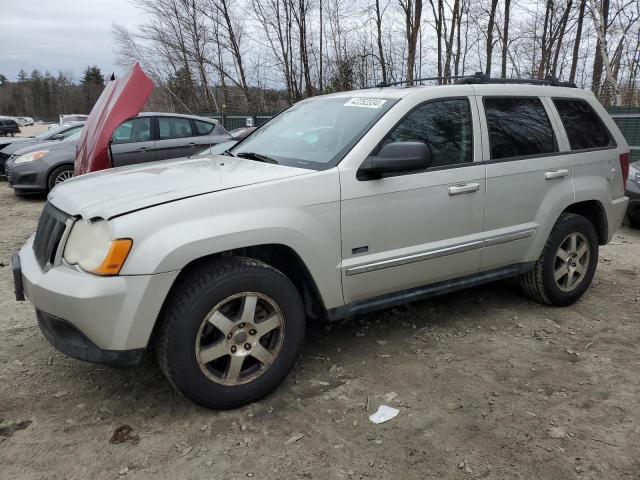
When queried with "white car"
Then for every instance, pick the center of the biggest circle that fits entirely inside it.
(340, 205)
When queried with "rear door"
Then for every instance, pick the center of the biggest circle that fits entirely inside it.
(176, 138)
(132, 142)
(529, 179)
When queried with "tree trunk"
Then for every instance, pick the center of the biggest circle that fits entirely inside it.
(576, 44)
(505, 38)
(383, 65)
(492, 19)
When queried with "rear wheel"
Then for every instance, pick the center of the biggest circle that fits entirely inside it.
(230, 332)
(60, 175)
(634, 221)
(567, 264)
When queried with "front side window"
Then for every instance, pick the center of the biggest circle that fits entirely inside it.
(444, 126)
(134, 130)
(583, 125)
(518, 127)
(174, 127)
(316, 133)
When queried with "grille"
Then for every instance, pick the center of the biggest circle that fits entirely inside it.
(7, 172)
(51, 227)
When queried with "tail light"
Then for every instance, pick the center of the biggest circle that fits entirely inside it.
(624, 166)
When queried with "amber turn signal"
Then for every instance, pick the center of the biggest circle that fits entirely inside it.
(113, 262)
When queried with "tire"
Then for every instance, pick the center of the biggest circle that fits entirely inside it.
(634, 222)
(184, 327)
(57, 174)
(540, 283)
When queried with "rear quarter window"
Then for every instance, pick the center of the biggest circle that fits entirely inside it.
(585, 129)
(518, 127)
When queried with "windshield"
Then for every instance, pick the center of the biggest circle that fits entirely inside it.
(50, 133)
(315, 133)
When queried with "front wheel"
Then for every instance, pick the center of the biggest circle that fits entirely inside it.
(60, 175)
(567, 264)
(230, 332)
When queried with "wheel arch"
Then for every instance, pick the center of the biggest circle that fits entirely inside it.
(594, 211)
(279, 256)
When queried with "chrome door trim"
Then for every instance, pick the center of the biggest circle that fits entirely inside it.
(441, 252)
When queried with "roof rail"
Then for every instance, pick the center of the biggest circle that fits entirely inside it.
(480, 77)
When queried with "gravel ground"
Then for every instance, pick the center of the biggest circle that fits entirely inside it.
(488, 384)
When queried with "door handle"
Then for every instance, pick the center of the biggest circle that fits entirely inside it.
(143, 149)
(191, 144)
(465, 188)
(556, 174)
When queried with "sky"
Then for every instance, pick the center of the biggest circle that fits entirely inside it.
(61, 35)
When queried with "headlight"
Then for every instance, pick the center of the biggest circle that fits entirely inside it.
(30, 157)
(89, 246)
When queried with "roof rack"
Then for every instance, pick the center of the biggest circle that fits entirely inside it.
(479, 77)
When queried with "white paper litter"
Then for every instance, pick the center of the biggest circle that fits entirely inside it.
(384, 414)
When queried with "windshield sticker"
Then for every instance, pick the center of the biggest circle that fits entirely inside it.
(365, 102)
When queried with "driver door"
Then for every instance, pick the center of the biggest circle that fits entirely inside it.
(415, 228)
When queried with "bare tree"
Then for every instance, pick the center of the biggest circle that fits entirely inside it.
(412, 14)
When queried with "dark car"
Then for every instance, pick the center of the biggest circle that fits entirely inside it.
(145, 138)
(8, 127)
(8, 148)
(632, 191)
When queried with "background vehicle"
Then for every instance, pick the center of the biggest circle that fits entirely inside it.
(60, 133)
(242, 132)
(73, 117)
(633, 192)
(39, 167)
(338, 206)
(158, 136)
(8, 127)
(24, 121)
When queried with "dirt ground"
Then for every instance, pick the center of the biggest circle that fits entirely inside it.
(488, 384)
(32, 130)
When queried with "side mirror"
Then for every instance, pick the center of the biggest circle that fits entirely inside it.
(396, 157)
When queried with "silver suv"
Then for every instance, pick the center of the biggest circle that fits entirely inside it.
(340, 205)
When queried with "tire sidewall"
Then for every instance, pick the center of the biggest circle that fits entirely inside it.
(190, 379)
(575, 224)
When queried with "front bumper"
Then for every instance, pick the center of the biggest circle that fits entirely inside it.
(97, 319)
(27, 177)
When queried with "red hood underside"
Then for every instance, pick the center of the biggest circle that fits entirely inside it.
(120, 100)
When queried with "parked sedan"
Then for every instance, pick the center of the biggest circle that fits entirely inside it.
(632, 191)
(145, 138)
(10, 147)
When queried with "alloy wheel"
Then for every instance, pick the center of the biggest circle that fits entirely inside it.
(63, 176)
(240, 338)
(572, 261)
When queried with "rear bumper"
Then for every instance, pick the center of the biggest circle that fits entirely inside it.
(615, 214)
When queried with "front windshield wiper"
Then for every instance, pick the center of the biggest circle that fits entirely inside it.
(257, 156)
(228, 153)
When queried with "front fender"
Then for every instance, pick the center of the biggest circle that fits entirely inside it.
(168, 237)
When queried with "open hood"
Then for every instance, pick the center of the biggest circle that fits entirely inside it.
(121, 99)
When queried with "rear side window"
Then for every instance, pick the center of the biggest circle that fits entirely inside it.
(444, 125)
(174, 127)
(134, 130)
(204, 128)
(584, 127)
(518, 127)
